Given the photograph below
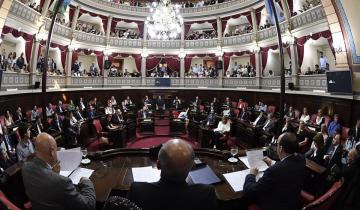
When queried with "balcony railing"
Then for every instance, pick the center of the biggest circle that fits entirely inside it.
(87, 81)
(312, 15)
(58, 29)
(53, 81)
(313, 82)
(15, 80)
(123, 81)
(243, 82)
(271, 32)
(237, 40)
(201, 82)
(118, 42)
(91, 38)
(24, 12)
(163, 44)
(274, 82)
(201, 43)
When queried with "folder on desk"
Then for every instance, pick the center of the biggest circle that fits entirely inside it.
(204, 175)
(69, 165)
(236, 179)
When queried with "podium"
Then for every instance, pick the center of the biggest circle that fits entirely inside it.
(162, 82)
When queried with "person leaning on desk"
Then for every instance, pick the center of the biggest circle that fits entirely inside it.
(280, 186)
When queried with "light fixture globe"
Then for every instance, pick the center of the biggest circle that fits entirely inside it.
(164, 22)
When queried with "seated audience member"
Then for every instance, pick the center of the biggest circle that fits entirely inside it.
(211, 119)
(353, 140)
(7, 142)
(113, 101)
(290, 113)
(245, 115)
(175, 160)
(227, 102)
(117, 118)
(82, 103)
(261, 107)
(93, 71)
(36, 128)
(276, 190)
(109, 109)
(119, 203)
(176, 102)
(302, 135)
(287, 126)
(19, 117)
(8, 119)
(46, 188)
(49, 110)
(5, 160)
(144, 113)
(222, 128)
(241, 104)
(78, 115)
(270, 123)
(305, 117)
(56, 123)
(334, 153)
(92, 112)
(34, 113)
(228, 112)
(334, 126)
(147, 101)
(160, 104)
(71, 106)
(59, 108)
(75, 68)
(24, 148)
(319, 118)
(183, 116)
(317, 150)
(323, 131)
(70, 132)
(259, 121)
(20, 63)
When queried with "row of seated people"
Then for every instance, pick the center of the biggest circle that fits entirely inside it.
(125, 34)
(88, 28)
(116, 72)
(195, 35)
(11, 62)
(202, 71)
(162, 70)
(239, 30)
(308, 4)
(33, 5)
(317, 70)
(241, 71)
(52, 67)
(187, 4)
(78, 70)
(333, 151)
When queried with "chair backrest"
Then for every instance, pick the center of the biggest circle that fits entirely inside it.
(344, 133)
(297, 114)
(175, 114)
(327, 200)
(98, 126)
(313, 118)
(202, 108)
(327, 120)
(234, 104)
(4, 200)
(271, 109)
(237, 112)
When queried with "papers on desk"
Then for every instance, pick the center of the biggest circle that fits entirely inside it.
(147, 120)
(255, 159)
(146, 174)
(69, 165)
(237, 179)
(204, 175)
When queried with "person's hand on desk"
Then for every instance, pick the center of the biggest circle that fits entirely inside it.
(268, 161)
(82, 179)
(254, 171)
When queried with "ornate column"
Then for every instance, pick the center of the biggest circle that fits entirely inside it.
(145, 36)
(295, 68)
(45, 8)
(254, 24)
(108, 27)
(286, 9)
(33, 60)
(68, 65)
(182, 55)
(219, 30)
(258, 66)
(75, 19)
(182, 38)
(143, 68)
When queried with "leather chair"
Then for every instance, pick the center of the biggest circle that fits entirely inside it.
(5, 201)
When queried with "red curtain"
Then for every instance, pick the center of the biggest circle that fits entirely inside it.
(300, 42)
(188, 59)
(100, 60)
(152, 62)
(75, 57)
(249, 18)
(137, 58)
(42, 3)
(28, 50)
(265, 53)
(291, 6)
(63, 50)
(258, 15)
(253, 60)
(173, 62)
(104, 19)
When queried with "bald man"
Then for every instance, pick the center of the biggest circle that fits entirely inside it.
(175, 159)
(49, 190)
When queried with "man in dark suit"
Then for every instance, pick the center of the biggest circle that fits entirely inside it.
(260, 120)
(47, 189)
(36, 127)
(77, 114)
(56, 123)
(19, 117)
(334, 152)
(143, 113)
(244, 116)
(59, 109)
(280, 186)
(176, 158)
(92, 112)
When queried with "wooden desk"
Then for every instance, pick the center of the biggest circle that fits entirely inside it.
(113, 170)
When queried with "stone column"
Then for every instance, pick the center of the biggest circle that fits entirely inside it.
(295, 68)
(108, 27)
(182, 68)
(143, 70)
(33, 61)
(75, 19)
(182, 38)
(68, 65)
(254, 24)
(220, 71)
(258, 67)
(219, 30)
(45, 8)
(286, 9)
(145, 36)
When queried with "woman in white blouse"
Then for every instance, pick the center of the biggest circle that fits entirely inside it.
(319, 118)
(222, 128)
(305, 117)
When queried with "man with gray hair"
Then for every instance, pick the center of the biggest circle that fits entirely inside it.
(46, 188)
(175, 160)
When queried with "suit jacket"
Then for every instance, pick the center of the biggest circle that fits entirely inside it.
(59, 110)
(335, 156)
(49, 190)
(18, 117)
(277, 189)
(165, 195)
(78, 116)
(55, 125)
(352, 133)
(260, 123)
(270, 127)
(245, 116)
(34, 129)
(117, 119)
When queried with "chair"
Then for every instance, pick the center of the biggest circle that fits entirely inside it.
(99, 129)
(237, 112)
(234, 104)
(297, 114)
(4, 200)
(313, 118)
(327, 120)
(327, 200)
(271, 109)
(202, 108)
(344, 133)
(175, 114)
(119, 203)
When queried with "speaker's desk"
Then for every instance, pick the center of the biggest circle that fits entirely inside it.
(113, 169)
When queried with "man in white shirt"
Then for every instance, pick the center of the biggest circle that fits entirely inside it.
(195, 69)
(305, 116)
(222, 128)
(323, 61)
